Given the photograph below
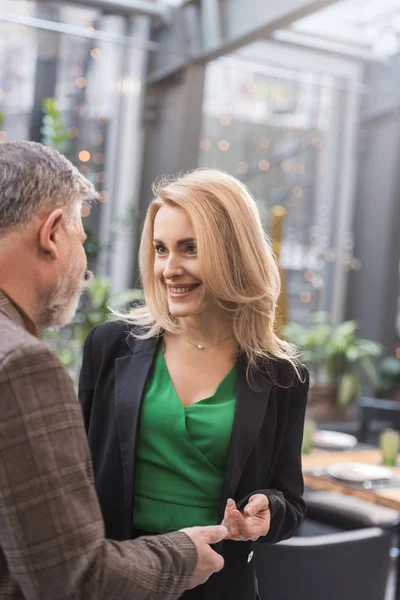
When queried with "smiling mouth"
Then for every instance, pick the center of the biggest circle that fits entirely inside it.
(183, 289)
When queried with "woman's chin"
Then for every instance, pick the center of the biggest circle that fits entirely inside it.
(183, 311)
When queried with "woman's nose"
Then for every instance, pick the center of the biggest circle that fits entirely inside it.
(172, 267)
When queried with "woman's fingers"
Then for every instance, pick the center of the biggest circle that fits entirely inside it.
(231, 519)
(250, 524)
(257, 503)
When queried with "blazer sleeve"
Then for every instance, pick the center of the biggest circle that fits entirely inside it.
(285, 491)
(87, 379)
(51, 529)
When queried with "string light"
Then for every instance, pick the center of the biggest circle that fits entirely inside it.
(84, 156)
(242, 167)
(264, 142)
(98, 158)
(317, 142)
(73, 132)
(97, 139)
(223, 145)
(101, 177)
(3, 136)
(264, 165)
(78, 110)
(205, 145)
(85, 210)
(225, 120)
(297, 192)
(104, 196)
(309, 275)
(102, 121)
(80, 82)
(95, 53)
(286, 166)
(305, 297)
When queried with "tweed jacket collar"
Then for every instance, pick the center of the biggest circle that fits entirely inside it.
(16, 314)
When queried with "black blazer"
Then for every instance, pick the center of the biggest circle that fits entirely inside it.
(264, 453)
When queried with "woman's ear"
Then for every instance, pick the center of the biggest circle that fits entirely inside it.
(49, 233)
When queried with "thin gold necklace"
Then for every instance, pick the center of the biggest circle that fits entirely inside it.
(200, 346)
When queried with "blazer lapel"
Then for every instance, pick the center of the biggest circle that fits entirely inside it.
(251, 405)
(131, 373)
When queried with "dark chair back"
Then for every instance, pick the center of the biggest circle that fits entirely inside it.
(352, 565)
(374, 415)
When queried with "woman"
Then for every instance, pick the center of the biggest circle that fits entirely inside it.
(194, 407)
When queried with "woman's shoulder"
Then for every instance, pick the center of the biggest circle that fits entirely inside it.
(111, 331)
(116, 336)
(286, 374)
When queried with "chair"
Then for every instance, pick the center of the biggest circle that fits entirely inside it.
(352, 565)
(375, 415)
(346, 513)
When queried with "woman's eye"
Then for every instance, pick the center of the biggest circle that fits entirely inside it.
(160, 249)
(191, 249)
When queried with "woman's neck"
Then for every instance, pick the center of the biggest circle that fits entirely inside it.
(205, 329)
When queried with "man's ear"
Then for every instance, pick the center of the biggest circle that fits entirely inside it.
(49, 233)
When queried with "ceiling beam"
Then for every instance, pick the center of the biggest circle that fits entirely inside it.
(127, 7)
(203, 30)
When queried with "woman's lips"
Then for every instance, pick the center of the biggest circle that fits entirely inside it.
(179, 291)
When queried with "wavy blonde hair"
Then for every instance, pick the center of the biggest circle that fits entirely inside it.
(236, 260)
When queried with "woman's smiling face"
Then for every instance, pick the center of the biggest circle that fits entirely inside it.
(176, 263)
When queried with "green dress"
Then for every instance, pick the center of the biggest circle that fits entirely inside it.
(181, 454)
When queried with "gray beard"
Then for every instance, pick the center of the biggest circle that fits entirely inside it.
(61, 305)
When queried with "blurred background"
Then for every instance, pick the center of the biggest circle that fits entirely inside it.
(299, 99)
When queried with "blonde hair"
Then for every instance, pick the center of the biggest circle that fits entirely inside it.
(236, 260)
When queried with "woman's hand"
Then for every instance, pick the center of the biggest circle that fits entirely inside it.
(251, 523)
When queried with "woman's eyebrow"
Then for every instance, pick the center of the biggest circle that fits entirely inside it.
(179, 242)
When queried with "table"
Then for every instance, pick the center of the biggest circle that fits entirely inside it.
(321, 459)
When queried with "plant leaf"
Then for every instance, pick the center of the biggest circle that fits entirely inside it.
(347, 388)
(370, 369)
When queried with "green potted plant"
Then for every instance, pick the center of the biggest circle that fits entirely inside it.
(338, 361)
(388, 385)
(98, 303)
(54, 133)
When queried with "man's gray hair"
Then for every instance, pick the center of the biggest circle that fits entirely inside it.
(34, 177)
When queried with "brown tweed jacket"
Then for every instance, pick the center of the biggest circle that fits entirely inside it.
(52, 544)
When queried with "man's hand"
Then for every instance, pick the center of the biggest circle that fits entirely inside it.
(251, 523)
(208, 562)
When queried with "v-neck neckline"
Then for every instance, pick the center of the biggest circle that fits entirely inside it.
(203, 400)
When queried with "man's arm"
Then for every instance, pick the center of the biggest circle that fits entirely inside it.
(51, 529)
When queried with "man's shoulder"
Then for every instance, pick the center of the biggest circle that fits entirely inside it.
(17, 344)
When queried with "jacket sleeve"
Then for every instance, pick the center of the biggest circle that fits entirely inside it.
(51, 529)
(285, 492)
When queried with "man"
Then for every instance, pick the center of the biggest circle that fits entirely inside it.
(52, 543)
